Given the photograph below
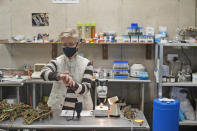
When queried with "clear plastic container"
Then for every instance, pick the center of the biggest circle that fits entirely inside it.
(142, 38)
(120, 69)
(87, 30)
(140, 31)
(131, 31)
(80, 29)
(134, 38)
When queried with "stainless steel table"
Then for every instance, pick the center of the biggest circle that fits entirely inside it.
(12, 82)
(60, 123)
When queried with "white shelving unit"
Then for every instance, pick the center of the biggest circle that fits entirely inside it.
(182, 84)
(159, 50)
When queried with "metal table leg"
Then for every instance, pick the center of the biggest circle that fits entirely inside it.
(142, 97)
(18, 94)
(160, 70)
(28, 99)
(95, 96)
(41, 92)
(34, 96)
(1, 93)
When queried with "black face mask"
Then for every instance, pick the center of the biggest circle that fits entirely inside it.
(69, 52)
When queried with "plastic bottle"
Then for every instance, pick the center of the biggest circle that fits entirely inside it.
(177, 37)
(79, 28)
(87, 30)
(93, 30)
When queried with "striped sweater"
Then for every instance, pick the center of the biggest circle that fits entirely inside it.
(50, 73)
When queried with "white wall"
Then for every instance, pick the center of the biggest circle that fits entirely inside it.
(116, 15)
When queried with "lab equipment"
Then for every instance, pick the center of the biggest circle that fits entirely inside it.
(114, 107)
(114, 110)
(165, 115)
(101, 110)
(37, 70)
(135, 70)
(101, 89)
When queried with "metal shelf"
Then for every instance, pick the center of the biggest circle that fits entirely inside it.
(178, 44)
(159, 54)
(132, 80)
(101, 43)
(188, 123)
(187, 84)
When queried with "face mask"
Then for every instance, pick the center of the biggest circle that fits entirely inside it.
(69, 52)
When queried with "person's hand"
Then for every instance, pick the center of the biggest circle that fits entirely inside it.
(67, 79)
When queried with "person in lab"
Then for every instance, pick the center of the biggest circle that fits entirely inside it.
(72, 75)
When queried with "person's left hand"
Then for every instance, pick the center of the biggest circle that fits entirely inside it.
(71, 82)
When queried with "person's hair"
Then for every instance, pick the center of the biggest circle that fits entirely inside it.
(69, 33)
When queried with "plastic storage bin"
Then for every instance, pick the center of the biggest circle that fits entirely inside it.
(121, 69)
(165, 115)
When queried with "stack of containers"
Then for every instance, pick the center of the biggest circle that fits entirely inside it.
(120, 69)
(135, 34)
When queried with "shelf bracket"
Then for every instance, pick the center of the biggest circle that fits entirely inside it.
(105, 51)
(149, 52)
(54, 51)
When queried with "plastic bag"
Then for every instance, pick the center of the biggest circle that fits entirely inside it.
(187, 110)
(185, 105)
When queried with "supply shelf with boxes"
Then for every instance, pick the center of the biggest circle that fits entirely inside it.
(160, 77)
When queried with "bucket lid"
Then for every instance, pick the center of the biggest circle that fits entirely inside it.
(170, 105)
